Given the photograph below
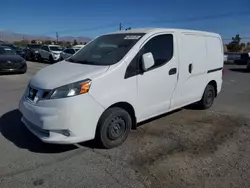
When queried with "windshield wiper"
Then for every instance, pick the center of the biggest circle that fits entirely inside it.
(82, 62)
(86, 62)
(70, 60)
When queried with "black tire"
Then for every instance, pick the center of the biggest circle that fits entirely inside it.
(51, 60)
(61, 59)
(24, 71)
(248, 65)
(32, 57)
(208, 97)
(39, 58)
(26, 57)
(113, 127)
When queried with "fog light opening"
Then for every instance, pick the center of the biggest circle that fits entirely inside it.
(66, 133)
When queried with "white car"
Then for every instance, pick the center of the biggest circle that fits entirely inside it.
(225, 57)
(79, 46)
(50, 53)
(120, 79)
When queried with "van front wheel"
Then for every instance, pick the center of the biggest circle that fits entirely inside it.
(208, 97)
(113, 127)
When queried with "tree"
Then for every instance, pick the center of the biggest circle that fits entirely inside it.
(75, 42)
(247, 48)
(68, 44)
(47, 42)
(234, 45)
(21, 42)
(243, 46)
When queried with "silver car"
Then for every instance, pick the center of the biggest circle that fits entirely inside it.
(69, 52)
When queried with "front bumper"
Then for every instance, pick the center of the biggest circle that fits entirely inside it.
(48, 119)
(56, 57)
(21, 69)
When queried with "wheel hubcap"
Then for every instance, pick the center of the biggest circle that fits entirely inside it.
(116, 128)
(210, 97)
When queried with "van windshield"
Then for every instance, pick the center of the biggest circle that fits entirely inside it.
(107, 49)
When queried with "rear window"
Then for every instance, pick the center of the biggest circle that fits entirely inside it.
(6, 51)
(55, 48)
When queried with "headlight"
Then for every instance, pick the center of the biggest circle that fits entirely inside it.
(71, 90)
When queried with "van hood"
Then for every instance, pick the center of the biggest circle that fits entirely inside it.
(63, 73)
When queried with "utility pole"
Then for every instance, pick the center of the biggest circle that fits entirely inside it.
(120, 26)
(57, 37)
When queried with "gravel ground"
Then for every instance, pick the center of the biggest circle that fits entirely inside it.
(186, 148)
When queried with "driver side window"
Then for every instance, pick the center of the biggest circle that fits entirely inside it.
(45, 48)
(162, 49)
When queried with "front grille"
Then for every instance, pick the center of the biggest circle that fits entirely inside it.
(38, 94)
(10, 65)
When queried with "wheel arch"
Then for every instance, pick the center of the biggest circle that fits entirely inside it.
(129, 108)
(214, 84)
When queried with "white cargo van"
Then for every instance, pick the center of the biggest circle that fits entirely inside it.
(120, 79)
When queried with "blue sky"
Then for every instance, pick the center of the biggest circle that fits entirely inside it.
(94, 17)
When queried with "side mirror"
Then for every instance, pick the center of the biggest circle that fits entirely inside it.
(147, 61)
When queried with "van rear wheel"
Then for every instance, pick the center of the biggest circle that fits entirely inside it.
(208, 97)
(113, 127)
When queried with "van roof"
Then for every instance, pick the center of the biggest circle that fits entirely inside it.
(149, 30)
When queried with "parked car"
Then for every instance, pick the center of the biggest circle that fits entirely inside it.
(16, 48)
(248, 62)
(11, 62)
(32, 52)
(243, 58)
(50, 53)
(232, 56)
(68, 52)
(225, 57)
(121, 79)
(79, 46)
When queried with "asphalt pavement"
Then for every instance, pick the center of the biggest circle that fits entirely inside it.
(186, 148)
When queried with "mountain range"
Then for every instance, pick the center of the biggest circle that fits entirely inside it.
(12, 36)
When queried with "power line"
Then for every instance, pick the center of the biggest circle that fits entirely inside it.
(244, 38)
(207, 17)
(191, 19)
(83, 29)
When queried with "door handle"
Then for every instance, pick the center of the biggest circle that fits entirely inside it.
(190, 68)
(172, 71)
